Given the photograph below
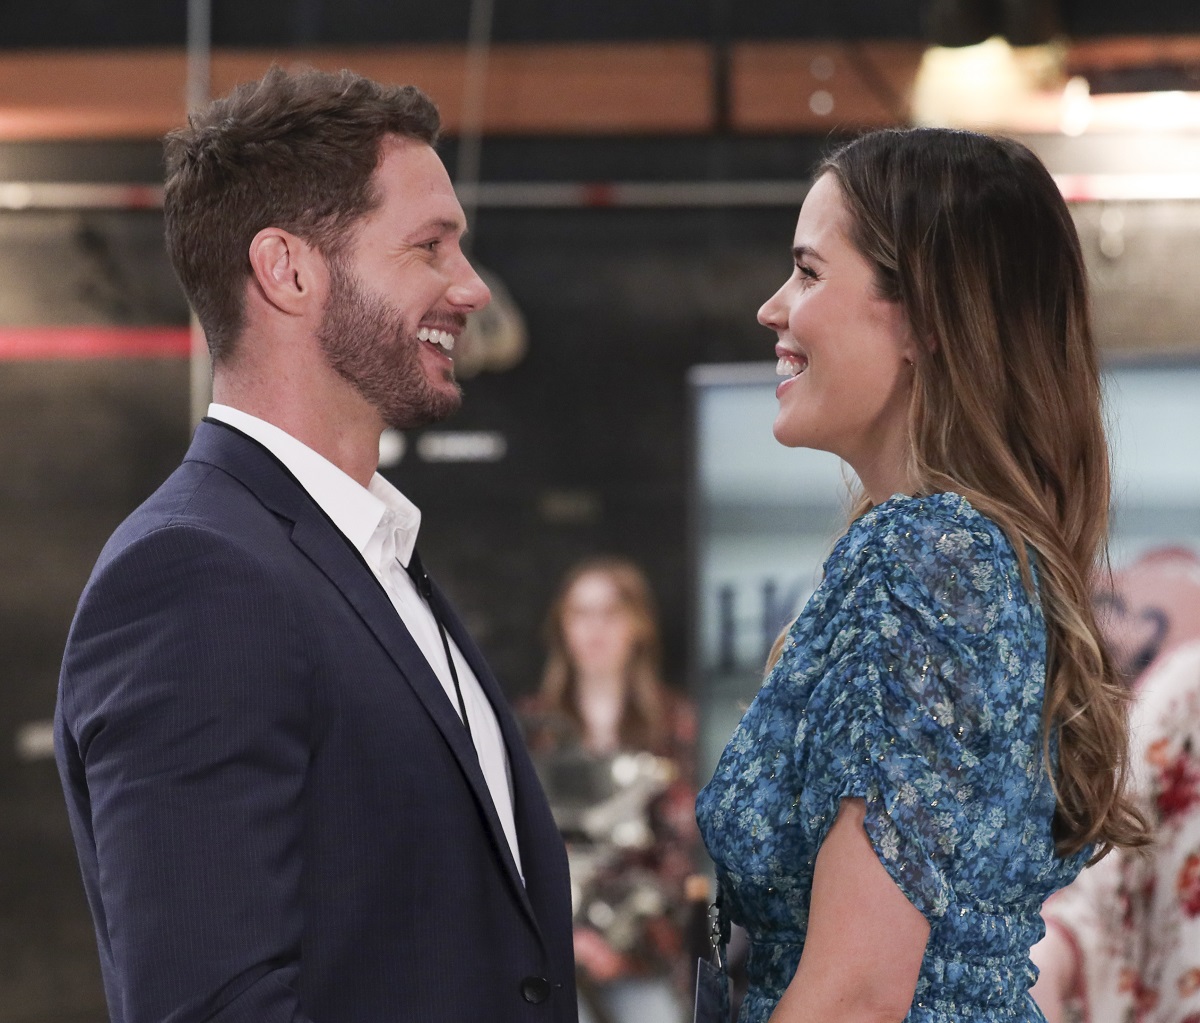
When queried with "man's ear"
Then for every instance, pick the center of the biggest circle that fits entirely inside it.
(287, 270)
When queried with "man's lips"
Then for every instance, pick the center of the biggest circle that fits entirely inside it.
(441, 338)
(442, 330)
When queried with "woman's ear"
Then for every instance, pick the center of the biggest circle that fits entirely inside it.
(911, 348)
(286, 270)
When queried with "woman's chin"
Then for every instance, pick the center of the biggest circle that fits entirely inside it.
(787, 433)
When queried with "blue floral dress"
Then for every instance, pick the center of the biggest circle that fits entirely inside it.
(913, 679)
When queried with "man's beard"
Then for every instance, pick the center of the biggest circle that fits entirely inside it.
(366, 343)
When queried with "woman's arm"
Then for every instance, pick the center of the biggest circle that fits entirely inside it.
(865, 940)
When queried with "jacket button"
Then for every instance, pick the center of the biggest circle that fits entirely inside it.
(535, 989)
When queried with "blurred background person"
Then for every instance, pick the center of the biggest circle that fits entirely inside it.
(1123, 941)
(614, 746)
(1152, 607)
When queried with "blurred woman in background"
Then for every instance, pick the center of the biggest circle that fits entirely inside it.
(614, 746)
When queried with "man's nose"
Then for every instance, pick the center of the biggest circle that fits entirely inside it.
(470, 290)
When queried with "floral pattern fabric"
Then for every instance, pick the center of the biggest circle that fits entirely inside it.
(913, 679)
(1134, 918)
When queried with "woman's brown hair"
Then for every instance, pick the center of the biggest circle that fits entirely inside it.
(970, 234)
(644, 723)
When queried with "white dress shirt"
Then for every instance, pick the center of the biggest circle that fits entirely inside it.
(382, 525)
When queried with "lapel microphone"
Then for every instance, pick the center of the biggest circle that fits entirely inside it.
(416, 572)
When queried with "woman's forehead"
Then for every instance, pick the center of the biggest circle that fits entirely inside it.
(823, 217)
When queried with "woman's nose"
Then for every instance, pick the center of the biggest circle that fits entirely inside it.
(770, 314)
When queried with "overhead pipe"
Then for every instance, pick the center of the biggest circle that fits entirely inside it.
(199, 87)
(546, 195)
(470, 136)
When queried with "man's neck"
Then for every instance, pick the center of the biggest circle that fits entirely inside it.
(348, 441)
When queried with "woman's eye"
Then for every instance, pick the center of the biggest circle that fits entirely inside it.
(806, 271)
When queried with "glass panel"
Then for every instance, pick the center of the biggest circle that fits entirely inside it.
(766, 516)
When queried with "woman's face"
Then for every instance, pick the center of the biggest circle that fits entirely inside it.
(844, 351)
(598, 628)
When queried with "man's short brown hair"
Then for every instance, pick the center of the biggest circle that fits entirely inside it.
(293, 150)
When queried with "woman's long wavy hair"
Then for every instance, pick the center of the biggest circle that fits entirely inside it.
(644, 719)
(970, 234)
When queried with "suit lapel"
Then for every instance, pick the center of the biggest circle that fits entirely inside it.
(535, 824)
(323, 544)
(361, 588)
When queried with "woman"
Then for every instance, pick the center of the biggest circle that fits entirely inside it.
(939, 743)
(613, 746)
(1123, 940)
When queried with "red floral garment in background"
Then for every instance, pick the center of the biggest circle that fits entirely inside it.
(1135, 919)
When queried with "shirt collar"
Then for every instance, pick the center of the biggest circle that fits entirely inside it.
(363, 515)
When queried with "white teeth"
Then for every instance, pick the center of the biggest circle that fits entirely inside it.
(442, 338)
(789, 367)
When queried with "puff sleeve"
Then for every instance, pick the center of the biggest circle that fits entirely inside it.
(933, 666)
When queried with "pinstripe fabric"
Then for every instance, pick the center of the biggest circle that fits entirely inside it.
(277, 812)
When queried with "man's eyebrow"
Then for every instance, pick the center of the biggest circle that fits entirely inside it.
(441, 225)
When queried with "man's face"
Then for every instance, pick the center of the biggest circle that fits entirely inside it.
(400, 292)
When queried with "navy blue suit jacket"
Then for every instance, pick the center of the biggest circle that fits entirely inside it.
(278, 813)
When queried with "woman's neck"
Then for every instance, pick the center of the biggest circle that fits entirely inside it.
(601, 701)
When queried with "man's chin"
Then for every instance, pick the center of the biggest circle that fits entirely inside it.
(437, 407)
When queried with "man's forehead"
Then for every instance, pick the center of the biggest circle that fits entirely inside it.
(411, 176)
(415, 156)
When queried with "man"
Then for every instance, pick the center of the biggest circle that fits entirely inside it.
(295, 788)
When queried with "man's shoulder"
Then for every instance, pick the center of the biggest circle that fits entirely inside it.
(197, 498)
